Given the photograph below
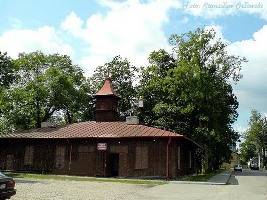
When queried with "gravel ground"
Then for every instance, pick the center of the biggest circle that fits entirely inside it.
(248, 185)
(74, 190)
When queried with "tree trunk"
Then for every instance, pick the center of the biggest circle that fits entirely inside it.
(264, 158)
(69, 118)
(38, 113)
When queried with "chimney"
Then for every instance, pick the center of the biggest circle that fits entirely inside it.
(107, 103)
(47, 125)
(132, 120)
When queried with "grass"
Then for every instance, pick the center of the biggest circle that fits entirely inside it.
(199, 177)
(202, 177)
(82, 178)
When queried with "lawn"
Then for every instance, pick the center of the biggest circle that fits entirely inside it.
(202, 177)
(84, 178)
(199, 177)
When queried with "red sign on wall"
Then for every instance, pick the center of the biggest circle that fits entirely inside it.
(102, 146)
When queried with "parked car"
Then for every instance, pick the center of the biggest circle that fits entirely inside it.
(254, 163)
(238, 168)
(7, 187)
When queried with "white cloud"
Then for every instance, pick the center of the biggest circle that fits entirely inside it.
(72, 24)
(45, 38)
(216, 8)
(255, 50)
(252, 88)
(131, 29)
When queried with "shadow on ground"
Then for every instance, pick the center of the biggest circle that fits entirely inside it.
(233, 180)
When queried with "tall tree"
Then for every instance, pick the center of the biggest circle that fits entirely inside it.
(7, 70)
(7, 76)
(45, 84)
(255, 137)
(247, 151)
(122, 74)
(189, 91)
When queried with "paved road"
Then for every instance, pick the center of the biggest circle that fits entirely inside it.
(248, 185)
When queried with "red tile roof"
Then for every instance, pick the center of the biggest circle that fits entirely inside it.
(92, 129)
(107, 88)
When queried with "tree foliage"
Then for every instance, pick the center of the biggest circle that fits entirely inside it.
(7, 70)
(247, 151)
(44, 85)
(189, 91)
(7, 76)
(255, 137)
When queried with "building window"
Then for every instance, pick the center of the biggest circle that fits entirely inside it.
(179, 157)
(28, 156)
(190, 159)
(60, 157)
(141, 157)
(82, 152)
(83, 149)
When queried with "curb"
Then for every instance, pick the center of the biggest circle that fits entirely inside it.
(196, 183)
(227, 182)
(205, 183)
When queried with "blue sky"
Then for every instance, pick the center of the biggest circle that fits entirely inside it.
(92, 32)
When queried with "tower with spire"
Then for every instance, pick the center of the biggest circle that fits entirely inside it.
(107, 103)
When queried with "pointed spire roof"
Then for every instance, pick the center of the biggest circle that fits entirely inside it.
(107, 89)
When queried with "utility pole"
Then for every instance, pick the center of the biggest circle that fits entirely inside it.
(259, 158)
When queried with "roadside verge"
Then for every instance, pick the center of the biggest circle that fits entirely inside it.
(221, 178)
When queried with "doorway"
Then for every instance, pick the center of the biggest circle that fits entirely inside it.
(114, 164)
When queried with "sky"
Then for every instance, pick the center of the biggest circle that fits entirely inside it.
(92, 32)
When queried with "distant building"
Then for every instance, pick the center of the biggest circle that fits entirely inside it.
(105, 147)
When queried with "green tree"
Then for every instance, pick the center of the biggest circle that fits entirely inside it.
(45, 84)
(247, 151)
(255, 137)
(189, 91)
(122, 74)
(7, 76)
(7, 70)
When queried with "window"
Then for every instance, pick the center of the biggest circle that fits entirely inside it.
(119, 149)
(141, 157)
(60, 157)
(190, 159)
(83, 149)
(179, 157)
(82, 152)
(28, 156)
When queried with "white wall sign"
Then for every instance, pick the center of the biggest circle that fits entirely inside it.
(102, 146)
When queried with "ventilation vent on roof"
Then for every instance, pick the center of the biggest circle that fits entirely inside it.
(47, 124)
(132, 120)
